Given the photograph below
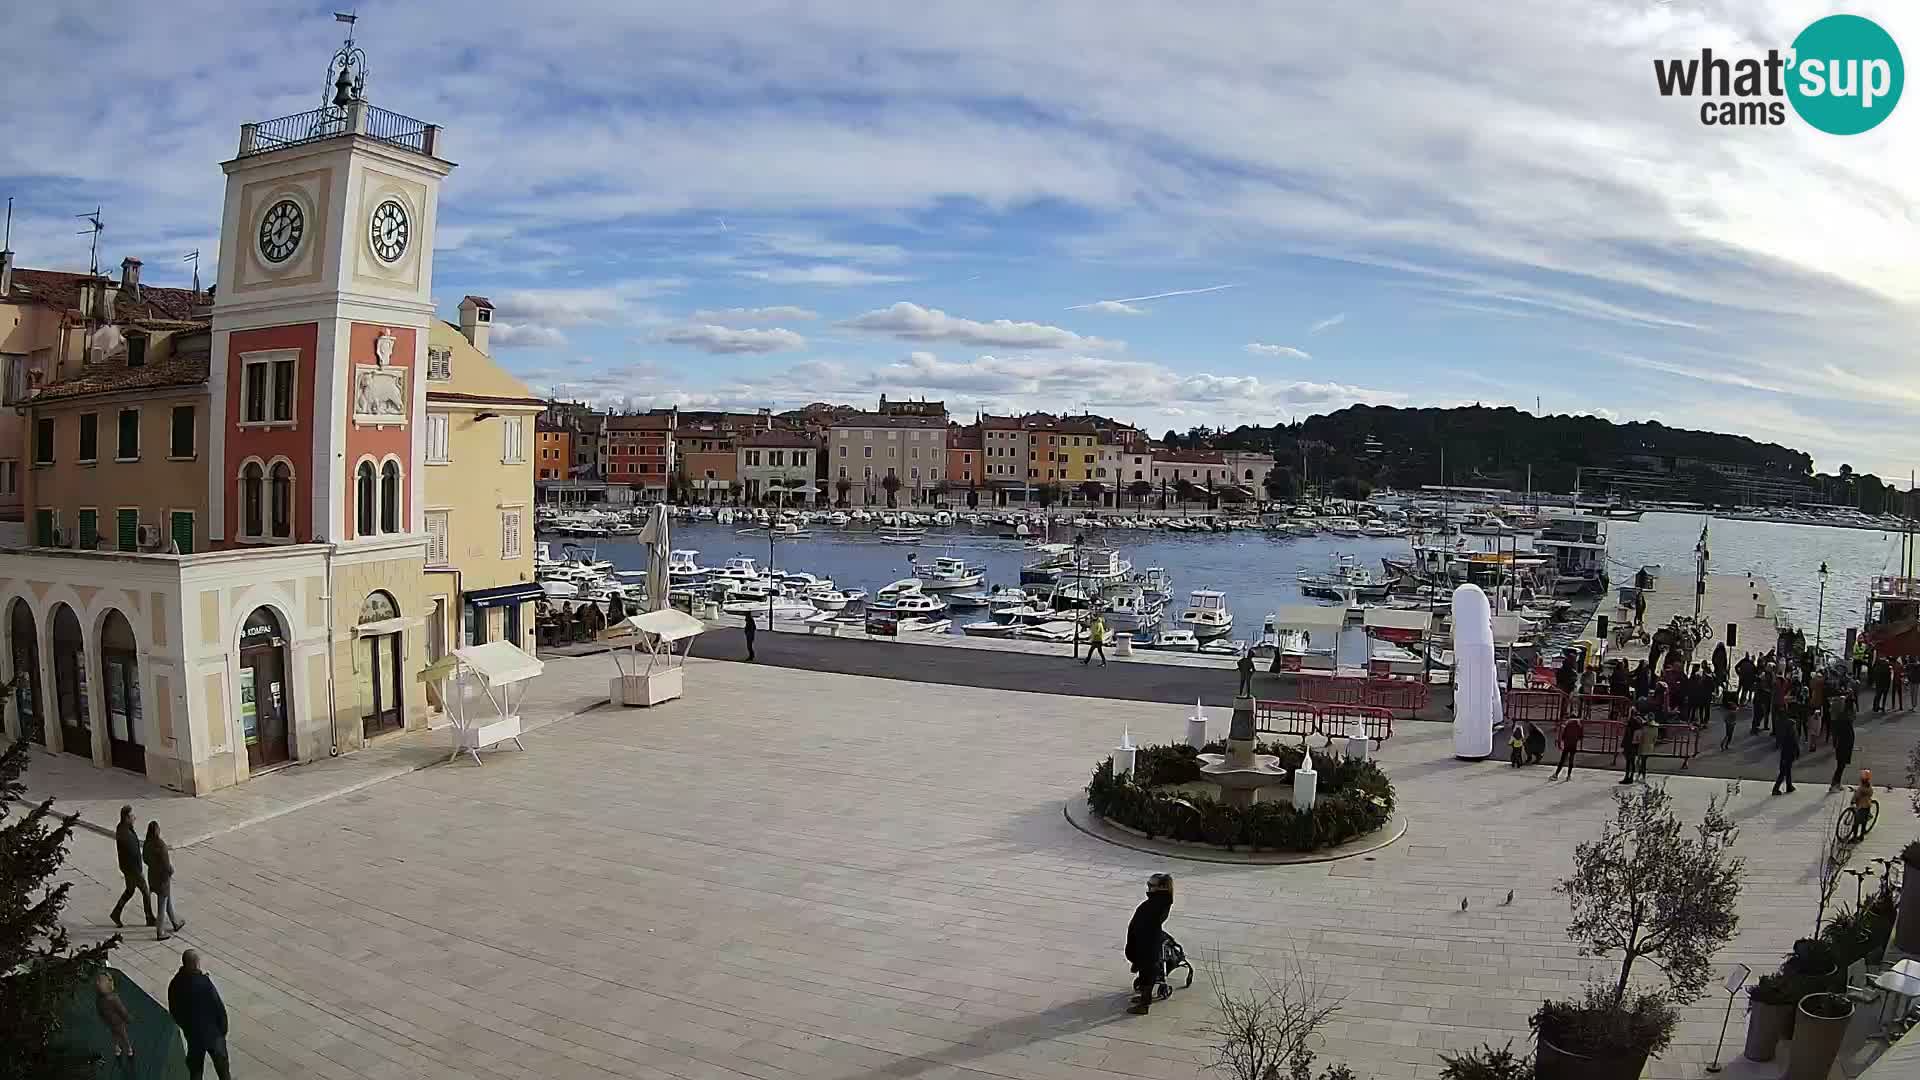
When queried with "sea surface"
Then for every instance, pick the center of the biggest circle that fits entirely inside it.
(1258, 570)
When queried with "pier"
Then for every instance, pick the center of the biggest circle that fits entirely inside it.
(1741, 601)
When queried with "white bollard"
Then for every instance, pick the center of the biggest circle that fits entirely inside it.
(1123, 760)
(1357, 747)
(1306, 783)
(1123, 645)
(1196, 731)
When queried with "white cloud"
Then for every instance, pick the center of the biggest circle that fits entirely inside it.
(1110, 307)
(1261, 348)
(752, 315)
(1327, 323)
(720, 339)
(509, 335)
(911, 322)
(823, 274)
(1699, 373)
(621, 301)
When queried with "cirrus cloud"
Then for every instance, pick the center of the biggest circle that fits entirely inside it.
(726, 340)
(1261, 348)
(911, 322)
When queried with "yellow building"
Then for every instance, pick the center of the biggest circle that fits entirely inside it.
(479, 490)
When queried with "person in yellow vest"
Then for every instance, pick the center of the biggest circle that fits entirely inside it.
(1096, 640)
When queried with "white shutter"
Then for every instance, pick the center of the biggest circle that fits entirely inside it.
(436, 538)
(510, 440)
(437, 437)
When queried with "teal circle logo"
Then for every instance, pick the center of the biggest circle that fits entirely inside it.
(1847, 75)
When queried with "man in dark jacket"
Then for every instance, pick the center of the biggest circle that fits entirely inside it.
(126, 841)
(749, 630)
(1143, 940)
(202, 1016)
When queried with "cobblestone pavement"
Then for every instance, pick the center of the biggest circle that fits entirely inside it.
(800, 874)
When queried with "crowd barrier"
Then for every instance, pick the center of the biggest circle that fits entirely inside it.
(1331, 721)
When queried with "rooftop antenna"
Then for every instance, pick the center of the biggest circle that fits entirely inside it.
(194, 258)
(96, 227)
(7, 243)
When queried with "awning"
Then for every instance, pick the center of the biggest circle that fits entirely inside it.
(1309, 617)
(518, 592)
(667, 624)
(1398, 619)
(500, 662)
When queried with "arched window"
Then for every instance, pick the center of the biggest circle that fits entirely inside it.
(250, 497)
(364, 503)
(280, 499)
(390, 497)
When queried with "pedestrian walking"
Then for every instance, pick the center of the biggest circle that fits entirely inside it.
(126, 842)
(113, 1013)
(1246, 673)
(1588, 682)
(1096, 640)
(1882, 678)
(750, 630)
(160, 880)
(1570, 733)
(1144, 932)
(1762, 698)
(1842, 735)
(1899, 686)
(1516, 744)
(196, 1006)
(1617, 683)
(1630, 739)
(1787, 742)
(1728, 717)
(1536, 743)
(1568, 677)
(1639, 609)
(1649, 742)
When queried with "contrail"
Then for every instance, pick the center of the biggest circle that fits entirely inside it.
(1158, 296)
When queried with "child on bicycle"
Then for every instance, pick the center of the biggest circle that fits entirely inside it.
(1863, 805)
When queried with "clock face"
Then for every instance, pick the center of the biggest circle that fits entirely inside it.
(387, 230)
(280, 231)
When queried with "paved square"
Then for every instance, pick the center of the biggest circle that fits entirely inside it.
(792, 873)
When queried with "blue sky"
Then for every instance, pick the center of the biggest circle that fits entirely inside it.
(740, 204)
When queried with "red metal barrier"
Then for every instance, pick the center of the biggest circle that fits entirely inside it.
(1296, 718)
(1677, 740)
(1598, 737)
(1374, 723)
(1335, 690)
(1401, 695)
(1600, 707)
(1540, 706)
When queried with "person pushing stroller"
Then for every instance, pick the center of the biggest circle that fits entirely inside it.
(1144, 934)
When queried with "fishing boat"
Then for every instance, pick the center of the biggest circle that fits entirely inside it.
(915, 603)
(1172, 640)
(1343, 575)
(1130, 609)
(900, 534)
(1058, 630)
(1095, 568)
(949, 572)
(1046, 563)
(1274, 640)
(1157, 583)
(1207, 614)
(969, 599)
(683, 567)
(1577, 544)
(914, 624)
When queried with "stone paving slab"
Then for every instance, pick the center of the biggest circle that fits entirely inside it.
(793, 873)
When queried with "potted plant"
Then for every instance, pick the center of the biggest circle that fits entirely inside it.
(1770, 1005)
(1846, 934)
(1646, 889)
(1822, 1023)
(1485, 1063)
(1818, 963)
(1880, 914)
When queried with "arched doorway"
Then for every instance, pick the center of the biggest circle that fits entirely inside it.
(120, 664)
(380, 676)
(26, 673)
(265, 704)
(70, 682)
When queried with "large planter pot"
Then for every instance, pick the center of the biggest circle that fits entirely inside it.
(1906, 928)
(1553, 1063)
(1766, 1026)
(1816, 1041)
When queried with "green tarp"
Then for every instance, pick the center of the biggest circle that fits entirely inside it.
(158, 1051)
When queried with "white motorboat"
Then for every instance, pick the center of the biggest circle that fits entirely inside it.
(738, 568)
(1207, 614)
(1051, 630)
(1007, 600)
(918, 625)
(780, 607)
(969, 599)
(804, 582)
(1344, 527)
(952, 573)
(787, 530)
(896, 589)
(989, 628)
(1274, 640)
(826, 597)
(683, 567)
(560, 590)
(1129, 609)
(914, 603)
(1095, 567)
(1222, 647)
(1173, 641)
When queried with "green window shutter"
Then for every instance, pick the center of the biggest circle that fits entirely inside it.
(129, 523)
(89, 528)
(43, 528)
(182, 529)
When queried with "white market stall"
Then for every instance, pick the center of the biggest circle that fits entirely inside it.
(662, 677)
(1311, 619)
(503, 672)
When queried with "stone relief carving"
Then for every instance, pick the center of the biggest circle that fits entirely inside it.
(380, 393)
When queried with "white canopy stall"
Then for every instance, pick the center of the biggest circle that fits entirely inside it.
(502, 672)
(661, 679)
(1329, 622)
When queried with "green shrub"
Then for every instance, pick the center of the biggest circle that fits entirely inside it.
(1776, 989)
(1354, 798)
(1485, 1063)
(1595, 1027)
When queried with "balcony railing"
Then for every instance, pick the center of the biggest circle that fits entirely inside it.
(325, 123)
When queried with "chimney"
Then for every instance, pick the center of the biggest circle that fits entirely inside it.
(476, 321)
(6, 274)
(130, 278)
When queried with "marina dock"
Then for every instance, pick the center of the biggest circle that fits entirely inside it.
(1741, 601)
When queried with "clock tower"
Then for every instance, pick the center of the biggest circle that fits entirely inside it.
(318, 369)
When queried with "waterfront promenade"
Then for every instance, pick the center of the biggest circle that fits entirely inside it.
(797, 873)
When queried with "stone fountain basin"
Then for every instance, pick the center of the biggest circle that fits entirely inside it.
(1265, 771)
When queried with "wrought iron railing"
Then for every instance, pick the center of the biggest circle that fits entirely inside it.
(325, 123)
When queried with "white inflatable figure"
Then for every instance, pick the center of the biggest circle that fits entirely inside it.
(1476, 689)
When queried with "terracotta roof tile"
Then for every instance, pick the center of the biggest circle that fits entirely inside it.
(61, 290)
(115, 377)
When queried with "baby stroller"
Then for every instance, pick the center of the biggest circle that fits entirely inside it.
(1172, 958)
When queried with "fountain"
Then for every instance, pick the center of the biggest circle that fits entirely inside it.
(1241, 773)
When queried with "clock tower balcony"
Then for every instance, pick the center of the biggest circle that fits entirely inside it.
(333, 122)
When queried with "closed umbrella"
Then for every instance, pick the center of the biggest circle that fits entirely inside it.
(655, 535)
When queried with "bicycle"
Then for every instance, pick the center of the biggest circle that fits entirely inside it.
(1855, 823)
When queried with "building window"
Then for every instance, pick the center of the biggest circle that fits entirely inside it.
(869, 472)
(365, 502)
(13, 378)
(180, 432)
(280, 498)
(89, 438)
(180, 527)
(390, 497)
(252, 476)
(10, 477)
(436, 538)
(129, 449)
(843, 469)
(753, 457)
(45, 523)
(799, 457)
(88, 524)
(127, 522)
(437, 439)
(512, 450)
(966, 459)
(510, 534)
(773, 457)
(136, 350)
(843, 449)
(439, 363)
(869, 451)
(267, 391)
(915, 471)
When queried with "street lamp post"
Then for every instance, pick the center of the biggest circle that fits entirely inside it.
(1820, 620)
